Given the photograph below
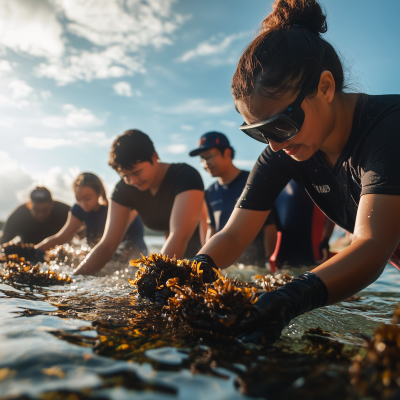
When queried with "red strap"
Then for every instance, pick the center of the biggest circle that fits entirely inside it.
(272, 259)
(317, 229)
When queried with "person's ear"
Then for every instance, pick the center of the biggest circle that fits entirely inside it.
(155, 157)
(327, 86)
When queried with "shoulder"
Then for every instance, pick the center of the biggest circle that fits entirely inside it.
(184, 177)
(18, 212)
(77, 211)
(124, 194)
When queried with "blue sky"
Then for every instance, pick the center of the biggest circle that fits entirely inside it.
(76, 73)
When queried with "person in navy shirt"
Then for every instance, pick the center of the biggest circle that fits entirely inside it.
(216, 154)
(91, 209)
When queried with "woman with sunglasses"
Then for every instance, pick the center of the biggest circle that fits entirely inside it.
(343, 148)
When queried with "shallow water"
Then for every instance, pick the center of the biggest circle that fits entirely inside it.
(51, 347)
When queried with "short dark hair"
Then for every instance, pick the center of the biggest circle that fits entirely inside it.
(130, 148)
(222, 150)
(40, 195)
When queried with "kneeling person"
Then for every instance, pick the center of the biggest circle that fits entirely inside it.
(217, 154)
(168, 198)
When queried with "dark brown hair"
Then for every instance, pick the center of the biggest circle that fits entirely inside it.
(40, 195)
(285, 53)
(87, 179)
(130, 148)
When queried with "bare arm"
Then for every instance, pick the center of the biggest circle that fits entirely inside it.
(65, 235)
(226, 246)
(210, 232)
(185, 217)
(115, 228)
(376, 235)
(270, 236)
(203, 226)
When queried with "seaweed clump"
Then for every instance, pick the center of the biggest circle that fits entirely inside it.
(217, 306)
(378, 373)
(155, 270)
(23, 250)
(67, 254)
(21, 271)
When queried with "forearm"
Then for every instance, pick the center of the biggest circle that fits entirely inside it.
(50, 242)
(223, 249)
(96, 259)
(174, 246)
(353, 269)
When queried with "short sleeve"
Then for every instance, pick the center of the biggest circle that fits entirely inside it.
(267, 179)
(187, 178)
(123, 194)
(78, 212)
(380, 161)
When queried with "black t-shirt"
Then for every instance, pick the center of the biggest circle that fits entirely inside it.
(21, 223)
(368, 164)
(155, 211)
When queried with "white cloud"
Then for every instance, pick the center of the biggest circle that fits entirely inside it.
(72, 138)
(197, 107)
(217, 45)
(45, 94)
(5, 67)
(228, 123)
(244, 163)
(117, 32)
(31, 27)
(45, 143)
(123, 89)
(74, 118)
(20, 89)
(187, 127)
(177, 148)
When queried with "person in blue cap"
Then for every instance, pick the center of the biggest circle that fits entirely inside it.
(217, 154)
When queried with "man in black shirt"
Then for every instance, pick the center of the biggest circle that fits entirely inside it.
(168, 198)
(36, 220)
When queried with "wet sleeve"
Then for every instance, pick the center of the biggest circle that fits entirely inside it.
(380, 171)
(123, 195)
(78, 212)
(188, 178)
(267, 179)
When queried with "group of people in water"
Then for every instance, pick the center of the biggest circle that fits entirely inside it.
(340, 148)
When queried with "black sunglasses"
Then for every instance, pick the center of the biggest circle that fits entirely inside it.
(286, 125)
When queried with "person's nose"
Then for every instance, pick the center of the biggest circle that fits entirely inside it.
(275, 146)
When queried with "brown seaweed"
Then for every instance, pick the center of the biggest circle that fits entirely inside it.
(21, 271)
(25, 250)
(155, 270)
(378, 372)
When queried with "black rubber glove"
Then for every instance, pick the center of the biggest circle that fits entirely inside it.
(324, 245)
(274, 310)
(207, 265)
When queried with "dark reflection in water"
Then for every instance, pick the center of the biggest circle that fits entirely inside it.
(92, 339)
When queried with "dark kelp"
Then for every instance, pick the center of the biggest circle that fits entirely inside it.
(378, 372)
(17, 270)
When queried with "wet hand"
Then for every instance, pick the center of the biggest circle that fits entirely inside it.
(207, 266)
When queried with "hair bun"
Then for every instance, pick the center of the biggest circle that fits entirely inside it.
(306, 13)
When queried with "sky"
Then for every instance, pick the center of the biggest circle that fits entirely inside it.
(74, 74)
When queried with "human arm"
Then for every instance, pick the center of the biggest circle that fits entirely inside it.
(210, 232)
(270, 236)
(376, 235)
(65, 235)
(115, 228)
(226, 246)
(185, 216)
(203, 226)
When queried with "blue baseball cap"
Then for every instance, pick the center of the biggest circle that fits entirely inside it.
(210, 140)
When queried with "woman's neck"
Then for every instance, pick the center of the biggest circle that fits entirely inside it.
(162, 169)
(344, 107)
